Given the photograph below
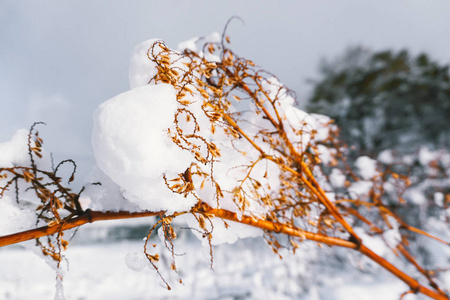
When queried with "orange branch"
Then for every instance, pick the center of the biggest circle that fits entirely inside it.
(415, 286)
(412, 260)
(279, 228)
(87, 217)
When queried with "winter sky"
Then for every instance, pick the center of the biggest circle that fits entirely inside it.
(60, 59)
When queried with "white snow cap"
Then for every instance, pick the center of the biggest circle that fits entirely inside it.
(360, 188)
(15, 151)
(367, 167)
(193, 45)
(142, 69)
(386, 157)
(337, 178)
(296, 120)
(15, 217)
(426, 156)
(132, 148)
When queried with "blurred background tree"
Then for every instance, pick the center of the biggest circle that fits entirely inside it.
(397, 103)
(385, 100)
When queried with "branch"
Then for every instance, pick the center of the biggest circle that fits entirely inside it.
(281, 228)
(87, 217)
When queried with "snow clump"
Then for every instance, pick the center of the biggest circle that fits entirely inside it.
(142, 69)
(132, 147)
(18, 215)
(367, 167)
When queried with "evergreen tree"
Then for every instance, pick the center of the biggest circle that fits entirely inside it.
(385, 100)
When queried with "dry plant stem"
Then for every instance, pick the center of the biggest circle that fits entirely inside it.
(93, 216)
(319, 192)
(403, 224)
(310, 181)
(87, 217)
(281, 228)
(412, 260)
(415, 286)
(419, 231)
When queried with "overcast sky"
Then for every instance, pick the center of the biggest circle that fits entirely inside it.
(59, 59)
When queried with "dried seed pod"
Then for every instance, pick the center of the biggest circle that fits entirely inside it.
(153, 258)
(201, 222)
(204, 93)
(64, 244)
(53, 223)
(27, 176)
(58, 203)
